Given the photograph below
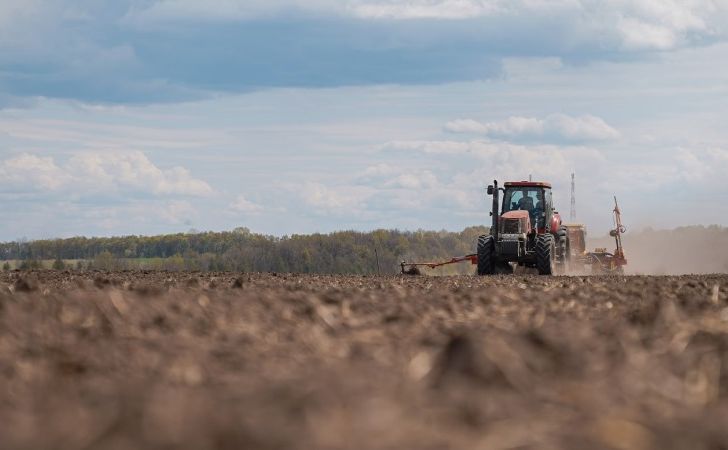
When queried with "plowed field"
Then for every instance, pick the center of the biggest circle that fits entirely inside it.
(134, 360)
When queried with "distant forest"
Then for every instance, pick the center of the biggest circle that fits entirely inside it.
(695, 249)
(348, 252)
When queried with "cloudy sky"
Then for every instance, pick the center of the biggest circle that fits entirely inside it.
(295, 116)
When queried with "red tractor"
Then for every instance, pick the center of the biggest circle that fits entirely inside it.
(526, 231)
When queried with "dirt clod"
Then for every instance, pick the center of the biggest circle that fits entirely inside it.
(27, 283)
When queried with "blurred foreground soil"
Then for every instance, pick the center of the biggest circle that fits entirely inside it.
(134, 360)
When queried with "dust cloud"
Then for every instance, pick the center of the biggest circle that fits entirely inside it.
(687, 250)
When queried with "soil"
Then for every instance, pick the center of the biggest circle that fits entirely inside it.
(155, 360)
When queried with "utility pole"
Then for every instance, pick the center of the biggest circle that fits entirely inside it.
(572, 215)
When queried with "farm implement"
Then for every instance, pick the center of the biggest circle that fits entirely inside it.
(527, 232)
(600, 260)
(409, 268)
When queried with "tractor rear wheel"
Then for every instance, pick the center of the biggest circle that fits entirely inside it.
(545, 254)
(564, 252)
(486, 265)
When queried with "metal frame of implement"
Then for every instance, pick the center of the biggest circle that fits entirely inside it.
(411, 268)
(603, 261)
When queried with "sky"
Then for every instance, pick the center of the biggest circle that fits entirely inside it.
(122, 117)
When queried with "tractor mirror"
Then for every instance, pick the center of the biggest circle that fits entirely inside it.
(490, 190)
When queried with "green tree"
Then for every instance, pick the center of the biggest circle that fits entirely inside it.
(175, 263)
(105, 261)
(30, 264)
(6, 266)
(58, 264)
(243, 250)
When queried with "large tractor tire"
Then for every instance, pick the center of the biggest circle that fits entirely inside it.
(563, 251)
(486, 263)
(545, 254)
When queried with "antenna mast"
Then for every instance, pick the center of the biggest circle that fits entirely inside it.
(572, 216)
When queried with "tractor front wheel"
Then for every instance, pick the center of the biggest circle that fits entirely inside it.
(486, 265)
(545, 254)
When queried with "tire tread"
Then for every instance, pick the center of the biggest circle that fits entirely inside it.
(544, 254)
(486, 265)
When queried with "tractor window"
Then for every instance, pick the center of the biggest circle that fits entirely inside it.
(526, 199)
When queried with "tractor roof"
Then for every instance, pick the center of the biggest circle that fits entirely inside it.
(527, 184)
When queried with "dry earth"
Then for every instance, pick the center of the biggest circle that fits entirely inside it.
(134, 360)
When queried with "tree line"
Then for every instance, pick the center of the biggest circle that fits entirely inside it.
(343, 252)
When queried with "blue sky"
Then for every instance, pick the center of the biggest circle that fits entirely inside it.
(292, 116)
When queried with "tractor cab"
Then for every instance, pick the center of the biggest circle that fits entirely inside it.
(532, 197)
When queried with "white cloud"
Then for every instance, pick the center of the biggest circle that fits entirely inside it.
(414, 180)
(179, 181)
(63, 49)
(699, 169)
(225, 10)
(632, 24)
(433, 147)
(379, 170)
(638, 35)
(638, 24)
(506, 160)
(31, 170)
(116, 136)
(418, 9)
(582, 128)
(405, 188)
(320, 196)
(346, 201)
(134, 171)
(179, 211)
(703, 166)
(698, 172)
(676, 98)
(98, 172)
(466, 126)
(243, 205)
(663, 25)
(387, 176)
(553, 128)
(635, 24)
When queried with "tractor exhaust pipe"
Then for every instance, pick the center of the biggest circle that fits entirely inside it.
(493, 190)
